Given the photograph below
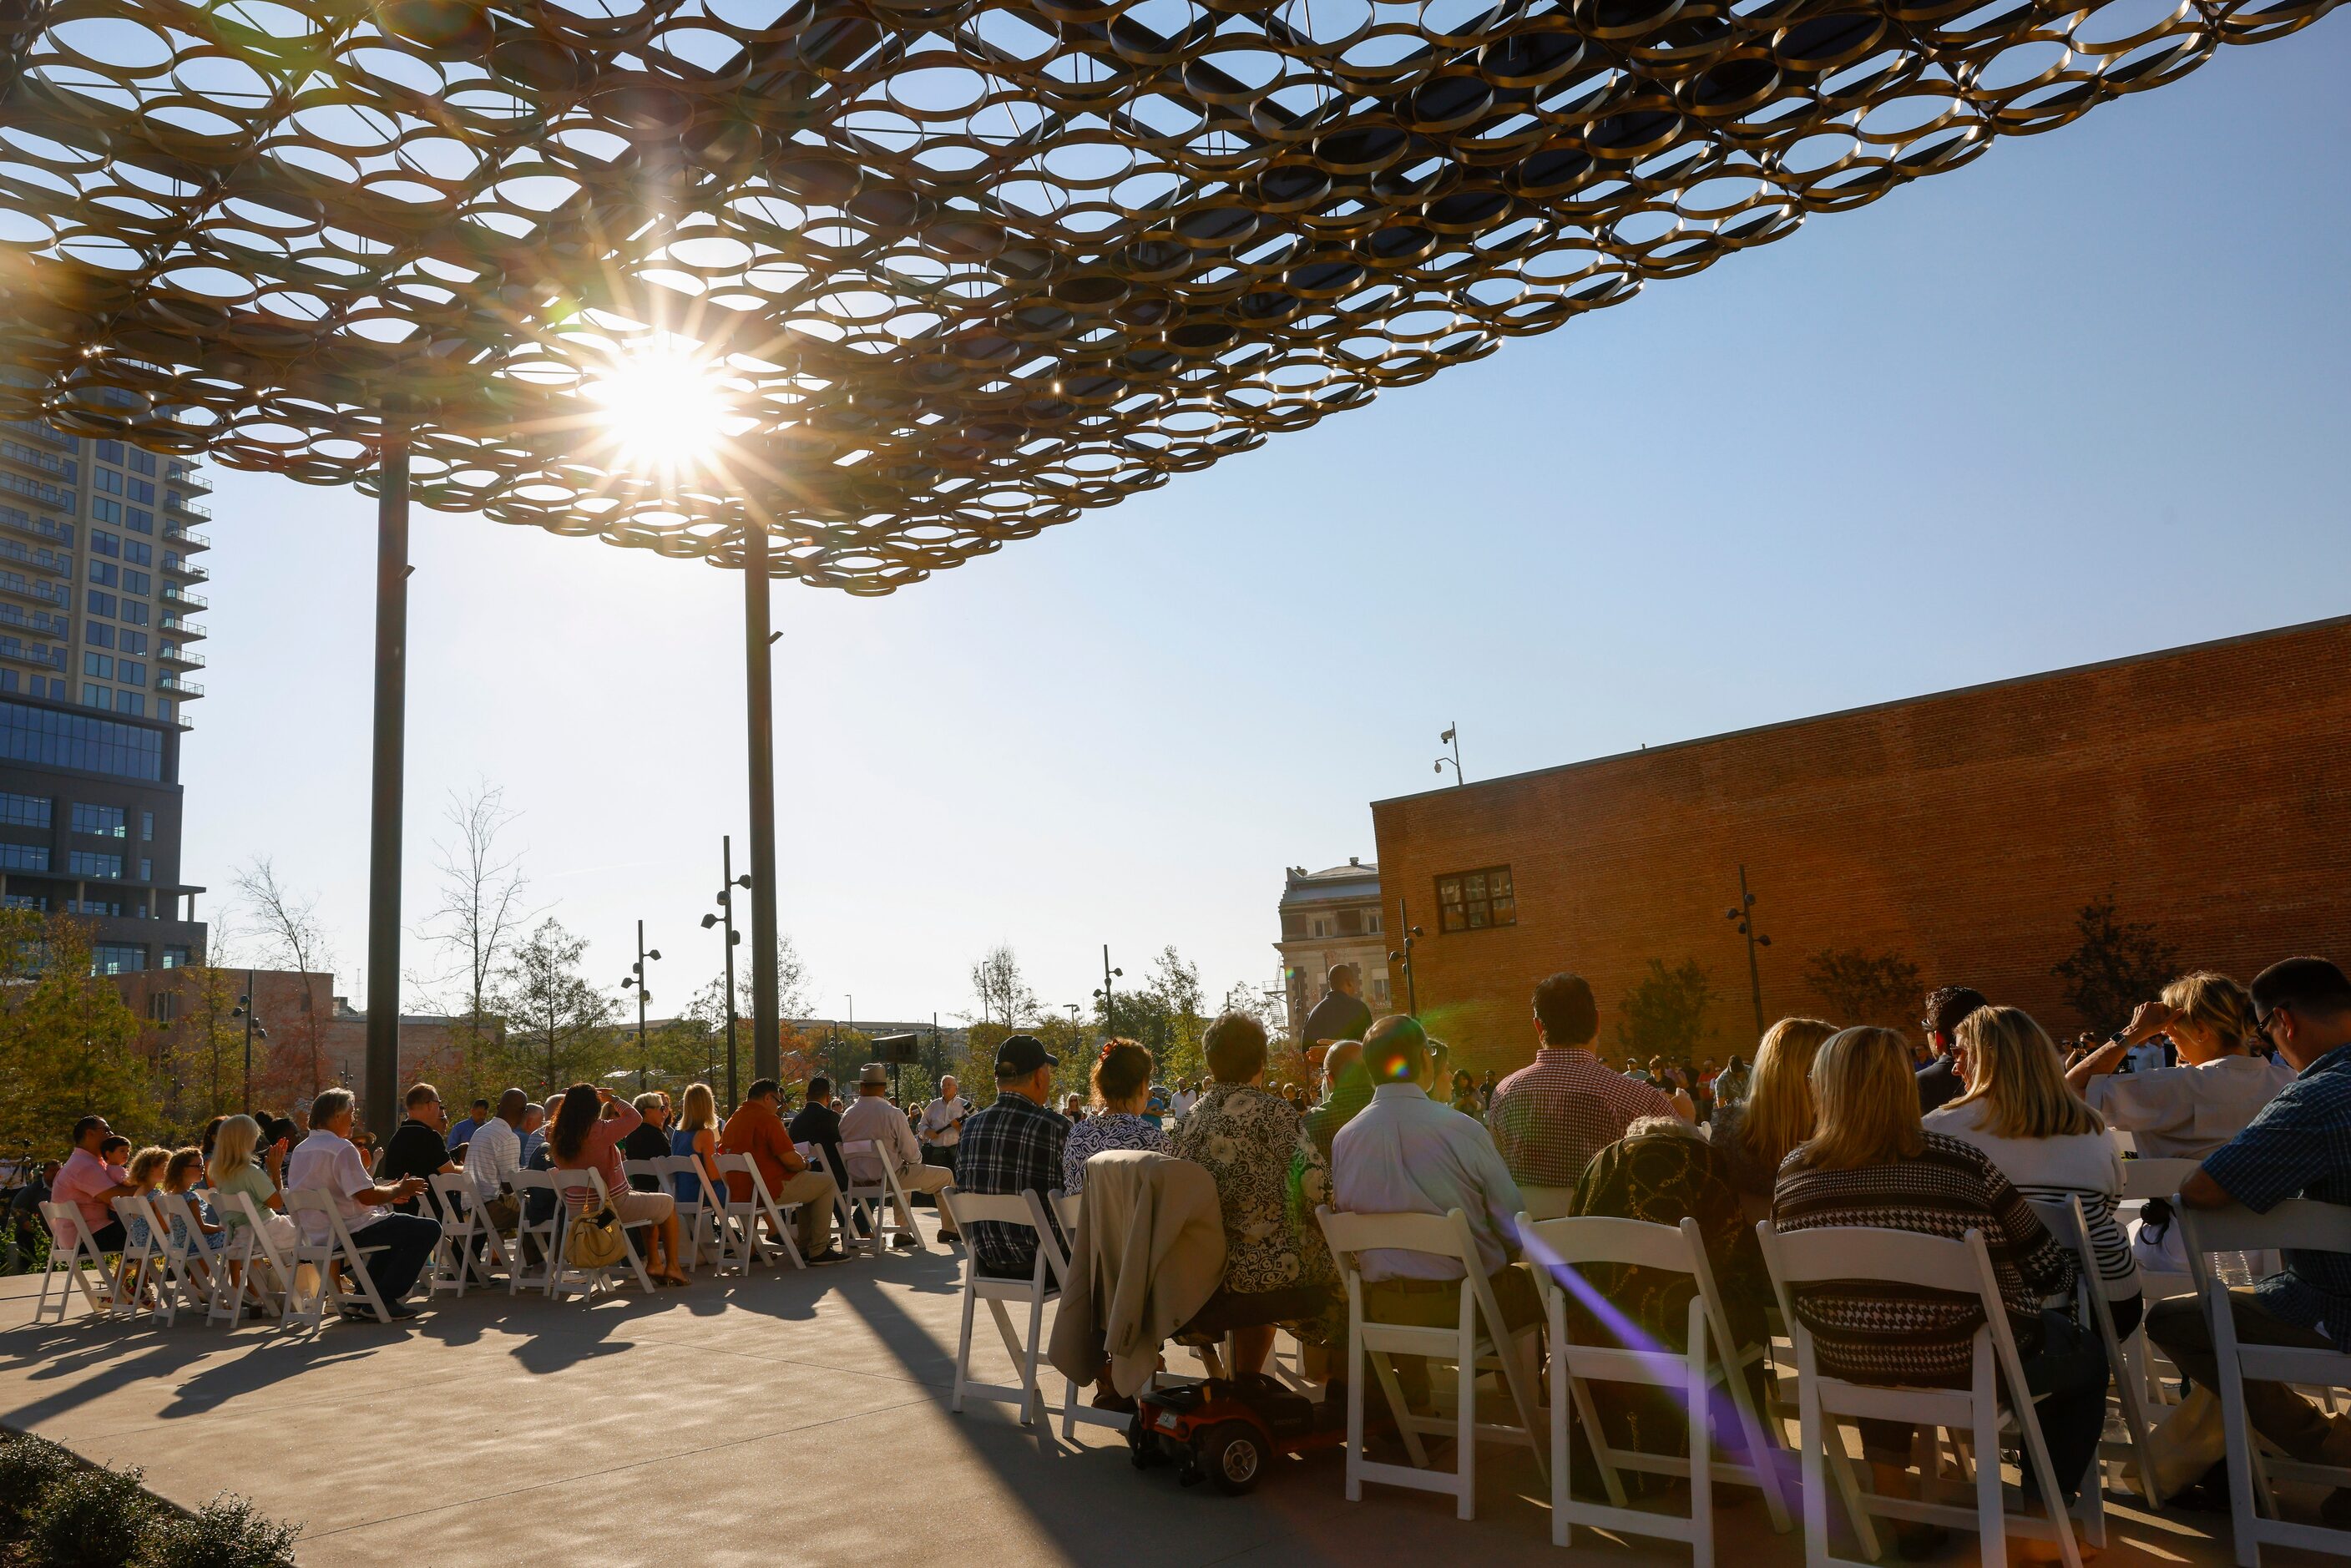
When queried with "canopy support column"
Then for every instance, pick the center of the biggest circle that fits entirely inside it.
(758, 690)
(381, 1101)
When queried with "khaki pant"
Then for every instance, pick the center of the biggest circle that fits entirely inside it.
(815, 1193)
(928, 1179)
(2276, 1411)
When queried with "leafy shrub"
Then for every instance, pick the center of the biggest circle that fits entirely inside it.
(91, 1518)
(28, 1467)
(224, 1534)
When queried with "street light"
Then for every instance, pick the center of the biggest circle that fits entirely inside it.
(1743, 914)
(636, 976)
(1412, 934)
(243, 1009)
(1452, 736)
(725, 901)
(1110, 1023)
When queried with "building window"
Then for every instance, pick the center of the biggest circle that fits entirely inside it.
(1371, 923)
(99, 665)
(1379, 990)
(107, 451)
(103, 543)
(117, 958)
(130, 672)
(134, 612)
(88, 862)
(100, 822)
(132, 703)
(52, 739)
(141, 462)
(97, 696)
(142, 490)
(24, 857)
(134, 642)
(1474, 900)
(135, 582)
(146, 868)
(106, 511)
(107, 479)
(97, 634)
(100, 604)
(138, 554)
(24, 810)
(94, 906)
(103, 571)
(1319, 931)
(146, 827)
(175, 957)
(132, 518)
(24, 901)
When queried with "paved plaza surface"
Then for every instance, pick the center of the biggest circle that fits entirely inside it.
(792, 1418)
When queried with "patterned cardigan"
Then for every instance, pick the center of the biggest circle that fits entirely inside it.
(1890, 1334)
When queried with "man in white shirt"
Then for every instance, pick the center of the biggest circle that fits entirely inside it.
(493, 1155)
(942, 1121)
(874, 1118)
(1407, 1154)
(327, 1161)
(1182, 1101)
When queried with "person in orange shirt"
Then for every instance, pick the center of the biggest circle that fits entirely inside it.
(756, 1129)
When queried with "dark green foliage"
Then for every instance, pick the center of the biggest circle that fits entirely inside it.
(91, 1518)
(28, 1467)
(1864, 987)
(1665, 1012)
(224, 1534)
(2118, 964)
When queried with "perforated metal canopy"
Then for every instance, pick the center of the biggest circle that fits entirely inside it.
(959, 270)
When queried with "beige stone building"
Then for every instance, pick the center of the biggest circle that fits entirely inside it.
(1331, 917)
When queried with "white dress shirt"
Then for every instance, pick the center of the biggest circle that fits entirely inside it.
(2185, 1112)
(1405, 1153)
(943, 1120)
(331, 1164)
(493, 1157)
(873, 1116)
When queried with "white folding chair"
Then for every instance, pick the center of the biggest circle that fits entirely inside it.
(73, 1254)
(468, 1244)
(1548, 1202)
(1849, 1258)
(2308, 1226)
(583, 1191)
(743, 1217)
(544, 1236)
(239, 1267)
(2066, 1222)
(966, 1208)
(141, 1246)
(684, 1179)
(1067, 1208)
(1479, 1341)
(844, 1213)
(881, 1201)
(1711, 1362)
(336, 1258)
(186, 1277)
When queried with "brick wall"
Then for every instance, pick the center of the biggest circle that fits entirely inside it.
(2208, 788)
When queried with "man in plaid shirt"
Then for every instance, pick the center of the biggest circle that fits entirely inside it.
(1550, 1119)
(1012, 1146)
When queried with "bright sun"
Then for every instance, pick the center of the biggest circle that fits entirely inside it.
(663, 407)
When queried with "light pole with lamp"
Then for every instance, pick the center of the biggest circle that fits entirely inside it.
(636, 978)
(1402, 954)
(1110, 1020)
(726, 912)
(1451, 736)
(253, 1026)
(1743, 912)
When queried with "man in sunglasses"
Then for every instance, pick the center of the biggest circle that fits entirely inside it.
(2299, 1146)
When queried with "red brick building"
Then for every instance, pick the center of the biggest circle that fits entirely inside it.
(2208, 789)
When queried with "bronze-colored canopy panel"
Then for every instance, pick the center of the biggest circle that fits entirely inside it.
(938, 276)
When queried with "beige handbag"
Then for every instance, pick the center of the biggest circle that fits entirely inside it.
(593, 1241)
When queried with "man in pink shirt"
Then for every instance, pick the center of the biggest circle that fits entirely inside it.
(91, 1185)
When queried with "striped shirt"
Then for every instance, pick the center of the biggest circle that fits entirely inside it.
(1885, 1333)
(2051, 1170)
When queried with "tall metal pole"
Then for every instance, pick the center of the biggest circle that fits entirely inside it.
(758, 690)
(1746, 913)
(727, 866)
(1411, 991)
(641, 1006)
(382, 1079)
(248, 1042)
(1110, 1018)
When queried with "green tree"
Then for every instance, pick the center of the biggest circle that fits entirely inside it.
(1665, 1012)
(2117, 965)
(559, 1023)
(1003, 997)
(1864, 987)
(1164, 1012)
(70, 1047)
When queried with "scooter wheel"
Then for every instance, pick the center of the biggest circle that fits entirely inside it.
(1234, 1454)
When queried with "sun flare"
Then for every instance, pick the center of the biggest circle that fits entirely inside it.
(664, 408)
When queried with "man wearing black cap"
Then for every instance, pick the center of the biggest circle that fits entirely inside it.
(1014, 1145)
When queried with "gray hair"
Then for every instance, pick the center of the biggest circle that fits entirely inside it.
(1665, 1127)
(329, 1105)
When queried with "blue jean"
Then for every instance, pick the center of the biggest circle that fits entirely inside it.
(407, 1241)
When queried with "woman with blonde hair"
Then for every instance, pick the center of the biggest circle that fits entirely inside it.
(2185, 1112)
(695, 1134)
(1869, 1163)
(2024, 1116)
(1755, 1132)
(231, 1170)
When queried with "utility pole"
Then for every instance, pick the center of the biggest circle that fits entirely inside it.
(1402, 954)
(1109, 1019)
(636, 978)
(1452, 736)
(725, 901)
(245, 1006)
(1744, 914)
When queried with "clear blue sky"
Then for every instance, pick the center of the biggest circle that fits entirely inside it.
(2082, 399)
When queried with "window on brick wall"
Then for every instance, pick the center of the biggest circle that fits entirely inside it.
(1474, 900)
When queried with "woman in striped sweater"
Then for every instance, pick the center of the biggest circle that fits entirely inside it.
(2046, 1139)
(1869, 1163)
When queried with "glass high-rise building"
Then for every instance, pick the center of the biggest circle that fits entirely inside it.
(98, 543)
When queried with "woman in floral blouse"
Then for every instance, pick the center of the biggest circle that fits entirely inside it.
(1245, 1136)
(1121, 1083)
